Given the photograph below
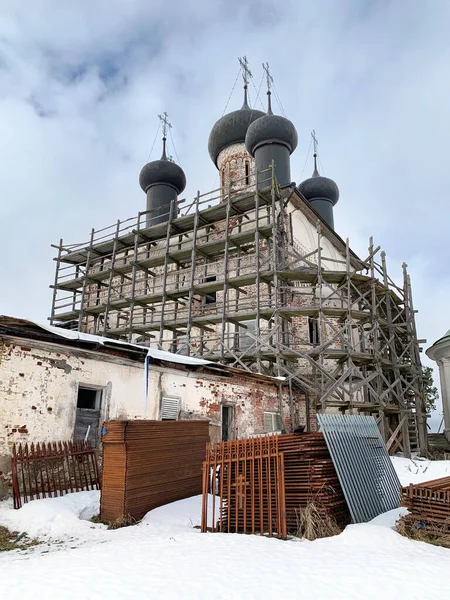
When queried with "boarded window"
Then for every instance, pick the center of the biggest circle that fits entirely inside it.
(181, 344)
(170, 408)
(272, 422)
(245, 340)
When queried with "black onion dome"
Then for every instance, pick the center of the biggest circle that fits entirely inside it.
(319, 188)
(162, 171)
(271, 129)
(231, 129)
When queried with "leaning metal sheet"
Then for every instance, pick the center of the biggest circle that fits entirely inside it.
(365, 470)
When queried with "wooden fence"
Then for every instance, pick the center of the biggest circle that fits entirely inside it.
(150, 463)
(53, 469)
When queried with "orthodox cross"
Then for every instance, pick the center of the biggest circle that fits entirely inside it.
(246, 73)
(164, 118)
(314, 139)
(269, 77)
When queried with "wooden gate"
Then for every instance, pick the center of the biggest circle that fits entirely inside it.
(243, 487)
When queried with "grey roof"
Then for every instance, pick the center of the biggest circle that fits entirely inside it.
(318, 187)
(271, 129)
(162, 171)
(231, 129)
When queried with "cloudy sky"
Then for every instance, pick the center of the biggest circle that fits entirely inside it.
(82, 83)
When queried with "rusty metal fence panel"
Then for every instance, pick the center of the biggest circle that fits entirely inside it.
(365, 470)
(429, 502)
(150, 463)
(53, 469)
(258, 485)
(244, 479)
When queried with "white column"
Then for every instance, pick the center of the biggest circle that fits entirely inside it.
(444, 375)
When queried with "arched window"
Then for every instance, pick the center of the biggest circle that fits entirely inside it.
(247, 173)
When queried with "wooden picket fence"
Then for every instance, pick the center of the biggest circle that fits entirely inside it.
(53, 469)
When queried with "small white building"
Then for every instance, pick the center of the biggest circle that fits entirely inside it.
(440, 352)
(57, 384)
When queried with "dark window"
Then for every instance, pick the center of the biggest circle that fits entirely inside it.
(313, 331)
(87, 398)
(210, 297)
(247, 173)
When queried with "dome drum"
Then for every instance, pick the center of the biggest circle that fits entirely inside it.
(272, 139)
(159, 203)
(279, 154)
(162, 180)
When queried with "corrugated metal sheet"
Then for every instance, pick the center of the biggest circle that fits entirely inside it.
(365, 470)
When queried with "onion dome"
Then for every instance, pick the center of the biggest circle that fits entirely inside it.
(318, 187)
(231, 128)
(162, 172)
(271, 129)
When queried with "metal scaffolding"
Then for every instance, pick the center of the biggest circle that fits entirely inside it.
(227, 278)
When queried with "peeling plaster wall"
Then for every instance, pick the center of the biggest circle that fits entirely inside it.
(203, 395)
(39, 386)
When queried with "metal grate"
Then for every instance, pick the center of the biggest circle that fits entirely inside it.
(170, 408)
(366, 474)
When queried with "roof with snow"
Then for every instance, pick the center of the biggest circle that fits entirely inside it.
(27, 329)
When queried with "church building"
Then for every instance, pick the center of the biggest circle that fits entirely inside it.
(253, 275)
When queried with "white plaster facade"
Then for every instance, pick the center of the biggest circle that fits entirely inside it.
(40, 380)
(440, 352)
(39, 387)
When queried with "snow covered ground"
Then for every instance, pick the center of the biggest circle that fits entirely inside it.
(165, 557)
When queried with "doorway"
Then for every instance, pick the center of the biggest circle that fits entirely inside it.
(88, 411)
(227, 423)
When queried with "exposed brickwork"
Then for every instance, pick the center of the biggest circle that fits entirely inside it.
(236, 168)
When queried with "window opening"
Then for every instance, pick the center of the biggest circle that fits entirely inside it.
(247, 173)
(87, 398)
(210, 297)
(313, 331)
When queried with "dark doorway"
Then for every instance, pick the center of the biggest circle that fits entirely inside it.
(227, 423)
(87, 420)
(313, 331)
